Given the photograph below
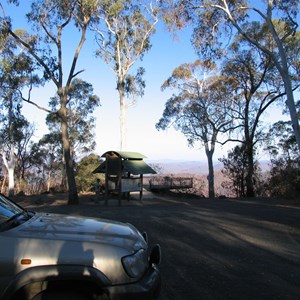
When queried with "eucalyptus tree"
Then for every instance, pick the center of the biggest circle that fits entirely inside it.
(199, 108)
(250, 103)
(284, 177)
(215, 21)
(235, 167)
(84, 173)
(47, 160)
(23, 140)
(15, 135)
(123, 30)
(258, 86)
(16, 73)
(50, 21)
(81, 103)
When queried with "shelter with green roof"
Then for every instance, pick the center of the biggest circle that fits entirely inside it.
(123, 172)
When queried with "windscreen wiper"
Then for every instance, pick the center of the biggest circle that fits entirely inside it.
(15, 220)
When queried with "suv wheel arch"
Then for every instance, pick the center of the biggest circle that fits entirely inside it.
(34, 280)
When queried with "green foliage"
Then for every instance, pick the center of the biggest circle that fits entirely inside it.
(47, 153)
(135, 85)
(85, 179)
(50, 19)
(123, 30)
(258, 85)
(284, 179)
(200, 108)
(126, 36)
(81, 103)
(236, 167)
(18, 137)
(215, 23)
(17, 71)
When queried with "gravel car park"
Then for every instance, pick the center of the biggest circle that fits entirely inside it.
(52, 256)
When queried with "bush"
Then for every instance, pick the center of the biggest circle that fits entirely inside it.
(85, 179)
(284, 179)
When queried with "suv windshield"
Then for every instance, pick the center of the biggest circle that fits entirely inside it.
(10, 213)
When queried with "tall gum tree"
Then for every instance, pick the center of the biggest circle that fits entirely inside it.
(254, 96)
(214, 20)
(81, 105)
(123, 32)
(16, 73)
(258, 86)
(50, 19)
(199, 108)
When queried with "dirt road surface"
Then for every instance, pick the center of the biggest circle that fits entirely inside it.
(212, 249)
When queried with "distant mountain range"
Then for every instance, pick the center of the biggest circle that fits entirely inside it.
(181, 167)
(189, 167)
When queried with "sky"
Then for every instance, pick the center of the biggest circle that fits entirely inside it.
(165, 55)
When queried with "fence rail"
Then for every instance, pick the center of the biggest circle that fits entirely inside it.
(158, 183)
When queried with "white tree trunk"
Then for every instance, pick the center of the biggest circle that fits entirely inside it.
(11, 180)
(10, 167)
(49, 181)
(3, 184)
(280, 62)
(290, 102)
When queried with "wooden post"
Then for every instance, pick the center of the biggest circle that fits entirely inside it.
(128, 193)
(120, 180)
(141, 191)
(106, 180)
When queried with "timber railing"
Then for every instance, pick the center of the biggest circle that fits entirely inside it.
(170, 182)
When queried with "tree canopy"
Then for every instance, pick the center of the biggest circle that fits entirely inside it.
(215, 23)
(199, 108)
(49, 20)
(123, 30)
(255, 46)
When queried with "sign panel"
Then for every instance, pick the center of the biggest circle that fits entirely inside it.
(131, 184)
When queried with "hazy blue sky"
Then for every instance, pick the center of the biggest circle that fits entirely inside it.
(166, 54)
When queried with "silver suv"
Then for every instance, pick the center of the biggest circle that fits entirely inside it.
(48, 256)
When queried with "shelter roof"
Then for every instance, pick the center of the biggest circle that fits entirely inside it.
(131, 162)
(124, 154)
(134, 167)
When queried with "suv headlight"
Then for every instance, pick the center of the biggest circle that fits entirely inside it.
(136, 264)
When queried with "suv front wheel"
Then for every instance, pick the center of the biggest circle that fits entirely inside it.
(60, 294)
